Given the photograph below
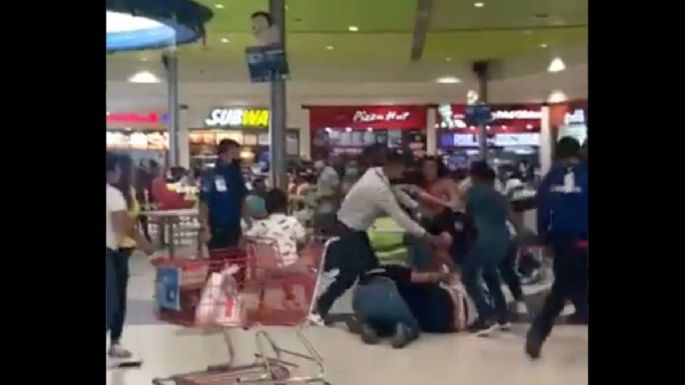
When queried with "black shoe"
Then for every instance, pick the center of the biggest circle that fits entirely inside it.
(402, 337)
(533, 343)
(369, 335)
(577, 319)
(482, 327)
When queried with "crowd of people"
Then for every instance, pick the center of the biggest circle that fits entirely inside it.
(461, 228)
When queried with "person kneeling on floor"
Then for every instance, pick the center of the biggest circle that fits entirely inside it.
(398, 302)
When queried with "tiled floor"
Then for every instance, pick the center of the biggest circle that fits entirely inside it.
(451, 359)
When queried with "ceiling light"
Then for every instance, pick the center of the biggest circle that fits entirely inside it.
(219, 6)
(479, 4)
(543, 45)
(557, 97)
(329, 47)
(448, 80)
(144, 77)
(225, 40)
(557, 65)
(353, 28)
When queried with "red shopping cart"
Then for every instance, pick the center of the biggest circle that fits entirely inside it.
(245, 288)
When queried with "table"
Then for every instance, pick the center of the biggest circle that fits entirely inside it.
(169, 218)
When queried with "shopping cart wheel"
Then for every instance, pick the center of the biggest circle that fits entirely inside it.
(280, 373)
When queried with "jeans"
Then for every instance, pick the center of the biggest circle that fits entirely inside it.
(352, 255)
(570, 283)
(224, 237)
(479, 264)
(120, 266)
(111, 300)
(509, 274)
(379, 304)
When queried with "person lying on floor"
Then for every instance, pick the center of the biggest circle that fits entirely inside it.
(399, 302)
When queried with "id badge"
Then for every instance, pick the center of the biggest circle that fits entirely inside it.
(569, 181)
(220, 183)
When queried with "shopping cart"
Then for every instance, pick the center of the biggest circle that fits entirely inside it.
(266, 294)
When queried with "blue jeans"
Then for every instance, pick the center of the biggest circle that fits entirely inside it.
(378, 304)
(111, 299)
(481, 264)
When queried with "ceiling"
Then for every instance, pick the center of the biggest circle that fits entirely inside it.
(457, 33)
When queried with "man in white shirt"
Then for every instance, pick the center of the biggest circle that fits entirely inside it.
(370, 198)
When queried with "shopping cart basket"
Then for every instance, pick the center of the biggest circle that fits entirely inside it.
(265, 294)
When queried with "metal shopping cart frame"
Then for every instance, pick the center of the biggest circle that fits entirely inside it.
(271, 363)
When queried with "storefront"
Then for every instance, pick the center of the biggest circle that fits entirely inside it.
(247, 126)
(569, 119)
(513, 135)
(143, 136)
(346, 130)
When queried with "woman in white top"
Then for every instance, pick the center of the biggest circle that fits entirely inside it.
(115, 224)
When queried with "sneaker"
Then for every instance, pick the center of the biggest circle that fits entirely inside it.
(117, 351)
(520, 307)
(369, 335)
(504, 326)
(483, 328)
(402, 337)
(533, 344)
(315, 319)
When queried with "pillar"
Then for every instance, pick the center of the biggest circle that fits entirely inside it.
(481, 70)
(277, 125)
(170, 61)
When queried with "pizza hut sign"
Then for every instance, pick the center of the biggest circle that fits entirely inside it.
(398, 117)
(370, 117)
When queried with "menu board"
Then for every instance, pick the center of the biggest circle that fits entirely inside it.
(518, 139)
(154, 141)
(465, 140)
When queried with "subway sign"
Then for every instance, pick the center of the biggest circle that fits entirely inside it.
(238, 117)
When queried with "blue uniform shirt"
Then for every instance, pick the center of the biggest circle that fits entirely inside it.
(563, 202)
(223, 190)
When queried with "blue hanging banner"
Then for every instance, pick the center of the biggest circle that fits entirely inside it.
(267, 63)
(478, 114)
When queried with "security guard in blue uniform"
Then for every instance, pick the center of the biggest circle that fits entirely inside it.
(221, 198)
(563, 226)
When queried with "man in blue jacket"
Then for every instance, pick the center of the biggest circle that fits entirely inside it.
(563, 226)
(221, 198)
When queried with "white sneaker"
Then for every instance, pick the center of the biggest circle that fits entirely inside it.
(520, 307)
(315, 320)
(117, 351)
(568, 310)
